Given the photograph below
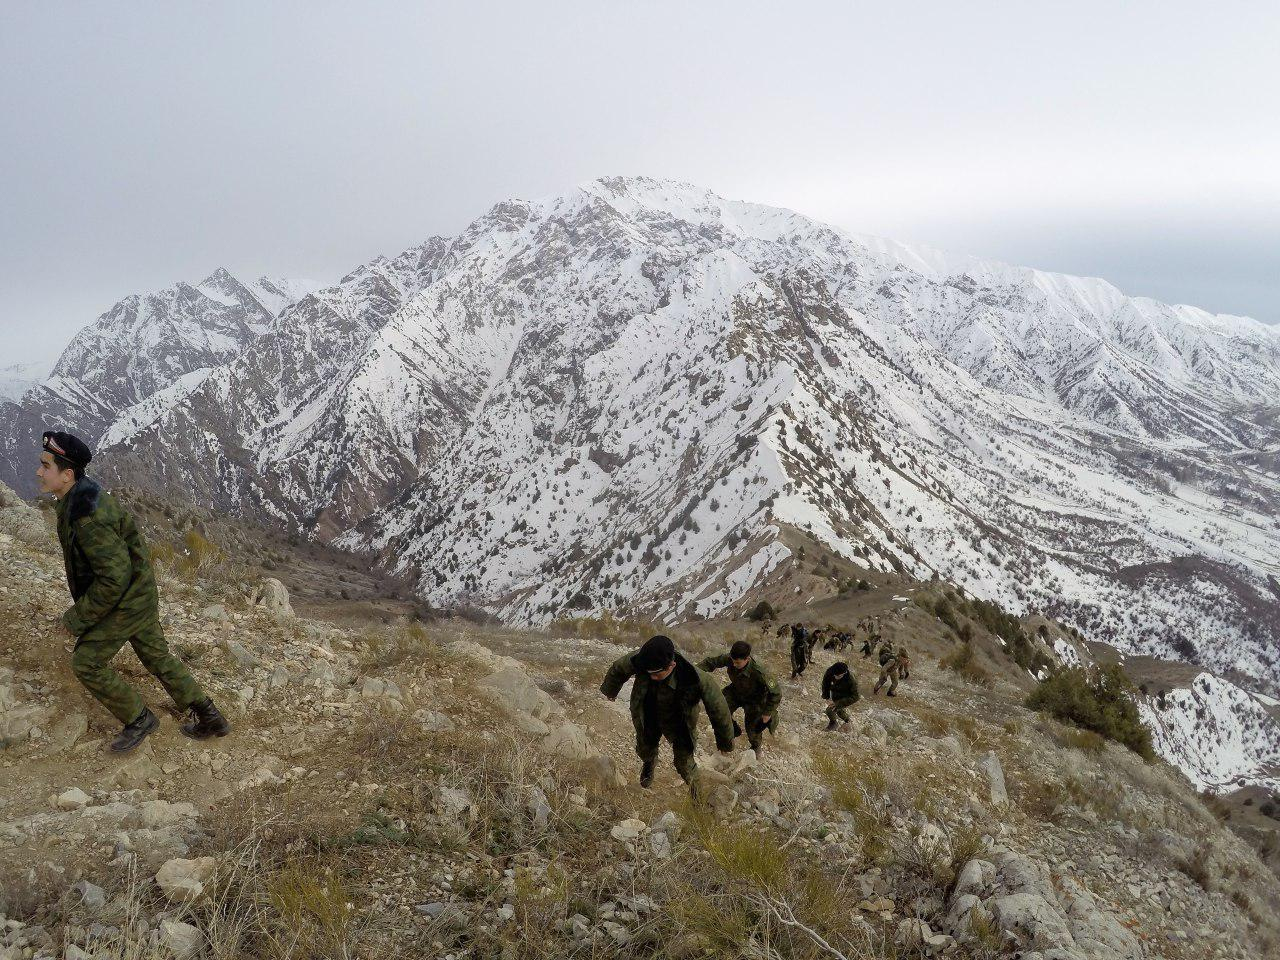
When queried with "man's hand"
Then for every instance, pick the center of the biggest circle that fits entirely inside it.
(613, 698)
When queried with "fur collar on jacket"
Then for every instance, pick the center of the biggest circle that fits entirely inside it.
(82, 499)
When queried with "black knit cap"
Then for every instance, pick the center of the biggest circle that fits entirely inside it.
(656, 654)
(71, 449)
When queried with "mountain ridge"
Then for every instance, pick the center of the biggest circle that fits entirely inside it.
(640, 349)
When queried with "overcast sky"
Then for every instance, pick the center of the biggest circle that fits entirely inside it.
(142, 143)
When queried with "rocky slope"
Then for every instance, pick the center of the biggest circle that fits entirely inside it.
(462, 791)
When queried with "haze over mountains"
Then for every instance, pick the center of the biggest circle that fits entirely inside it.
(633, 396)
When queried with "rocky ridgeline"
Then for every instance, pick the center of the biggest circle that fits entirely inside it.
(461, 791)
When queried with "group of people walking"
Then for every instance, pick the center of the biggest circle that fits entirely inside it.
(895, 663)
(115, 601)
(668, 691)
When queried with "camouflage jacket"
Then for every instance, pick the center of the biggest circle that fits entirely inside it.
(107, 563)
(692, 688)
(752, 684)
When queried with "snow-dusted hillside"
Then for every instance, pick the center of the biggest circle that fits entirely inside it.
(620, 397)
(137, 350)
(17, 378)
(1220, 736)
(670, 376)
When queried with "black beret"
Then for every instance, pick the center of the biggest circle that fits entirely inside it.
(71, 449)
(656, 654)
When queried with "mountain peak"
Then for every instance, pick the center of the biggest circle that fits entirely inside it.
(221, 275)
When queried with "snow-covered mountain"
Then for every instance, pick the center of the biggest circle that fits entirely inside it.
(139, 348)
(623, 396)
(17, 378)
(639, 396)
(308, 426)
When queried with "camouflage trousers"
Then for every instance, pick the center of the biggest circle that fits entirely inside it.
(686, 765)
(91, 663)
(752, 714)
(888, 674)
(840, 708)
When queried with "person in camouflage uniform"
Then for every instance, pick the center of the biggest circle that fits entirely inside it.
(840, 687)
(751, 688)
(873, 637)
(890, 669)
(665, 698)
(108, 568)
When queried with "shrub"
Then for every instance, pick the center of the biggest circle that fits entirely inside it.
(200, 553)
(762, 611)
(942, 610)
(964, 662)
(1098, 699)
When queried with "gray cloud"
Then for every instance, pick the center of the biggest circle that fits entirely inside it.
(149, 142)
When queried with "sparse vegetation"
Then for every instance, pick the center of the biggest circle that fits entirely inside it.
(1098, 699)
(964, 661)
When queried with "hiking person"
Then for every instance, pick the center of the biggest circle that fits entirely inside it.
(666, 693)
(799, 650)
(108, 568)
(889, 669)
(840, 687)
(751, 688)
(873, 637)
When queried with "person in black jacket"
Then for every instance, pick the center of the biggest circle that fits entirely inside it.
(841, 688)
(800, 655)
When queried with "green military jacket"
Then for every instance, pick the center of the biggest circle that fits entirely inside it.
(107, 563)
(693, 688)
(752, 684)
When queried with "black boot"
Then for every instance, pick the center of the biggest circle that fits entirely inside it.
(831, 725)
(209, 722)
(646, 774)
(135, 731)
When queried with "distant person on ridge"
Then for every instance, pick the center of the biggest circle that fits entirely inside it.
(799, 650)
(665, 696)
(108, 569)
(751, 688)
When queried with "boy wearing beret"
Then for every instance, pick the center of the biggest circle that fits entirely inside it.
(108, 569)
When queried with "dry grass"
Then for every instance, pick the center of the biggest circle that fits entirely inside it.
(862, 792)
(607, 627)
(1078, 739)
(964, 662)
(381, 651)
